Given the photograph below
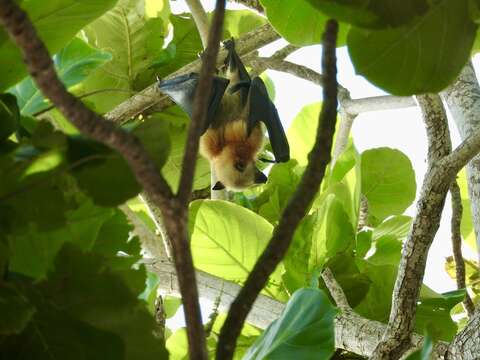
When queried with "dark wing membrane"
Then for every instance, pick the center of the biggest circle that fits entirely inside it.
(261, 108)
(182, 91)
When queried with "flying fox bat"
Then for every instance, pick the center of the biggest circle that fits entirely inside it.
(233, 135)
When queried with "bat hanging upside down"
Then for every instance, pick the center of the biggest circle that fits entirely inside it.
(233, 135)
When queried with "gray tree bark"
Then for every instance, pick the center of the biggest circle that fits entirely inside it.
(463, 100)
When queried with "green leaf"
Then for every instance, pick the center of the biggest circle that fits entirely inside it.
(282, 182)
(396, 226)
(134, 41)
(466, 226)
(16, 310)
(55, 334)
(387, 251)
(372, 13)
(299, 22)
(296, 261)
(56, 22)
(305, 330)
(104, 175)
(472, 273)
(433, 314)
(238, 22)
(332, 232)
(227, 240)
(33, 252)
(364, 243)
(388, 181)
(101, 172)
(110, 306)
(9, 116)
(301, 133)
(171, 170)
(414, 58)
(73, 64)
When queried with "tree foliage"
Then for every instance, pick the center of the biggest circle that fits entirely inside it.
(70, 266)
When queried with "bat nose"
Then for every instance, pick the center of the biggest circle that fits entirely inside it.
(240, 166)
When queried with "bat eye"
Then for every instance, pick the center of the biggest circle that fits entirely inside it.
(240, 166)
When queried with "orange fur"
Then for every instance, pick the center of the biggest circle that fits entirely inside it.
(228, 145)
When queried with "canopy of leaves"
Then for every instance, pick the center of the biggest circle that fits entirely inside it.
(73, 285)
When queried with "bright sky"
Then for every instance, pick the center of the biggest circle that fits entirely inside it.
(399, 129)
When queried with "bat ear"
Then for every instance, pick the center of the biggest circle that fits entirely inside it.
(218, 186)
(260, 178)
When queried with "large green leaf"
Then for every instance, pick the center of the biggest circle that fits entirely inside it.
(238, 22)
(73, 64)
(227, 240)
(305, 330)
(301, 133)
(372, 13)
(9, 116)
(88, 300)
(433, 314)
(29, 193)
(282, 182)
(178, 136)
(57, 22)
(299, 22)
(134, 41)
(33, 252)
(422, 56)
(332, 232)
(388, 182)
(397, 226)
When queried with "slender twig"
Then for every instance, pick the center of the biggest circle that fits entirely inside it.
(297, 207)
(200, 104)
(200, 18)
(335, 290)
(457, 210)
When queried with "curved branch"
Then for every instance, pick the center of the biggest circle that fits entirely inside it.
(457, 210)
(401, 324)
(296, 209)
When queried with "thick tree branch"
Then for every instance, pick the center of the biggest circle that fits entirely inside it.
(296, 208)
(400, 328)
(466, 345)
(151, 96)
(463, 100)
(457, 210)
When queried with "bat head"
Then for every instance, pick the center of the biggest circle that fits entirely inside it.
(236, 170)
